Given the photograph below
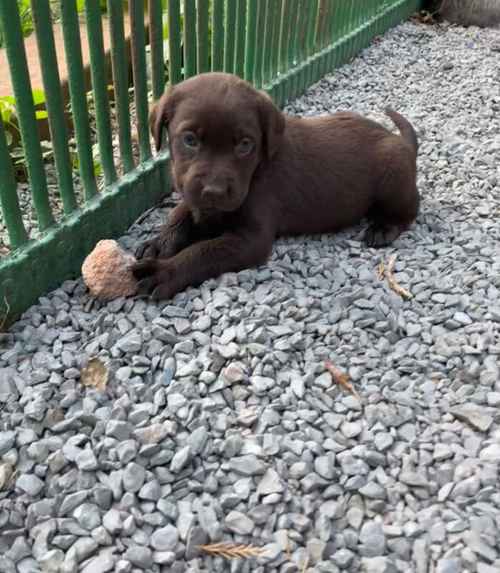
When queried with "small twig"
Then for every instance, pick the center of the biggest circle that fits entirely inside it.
(288, 551)
(388, 273)
(230, 551)
(341, 378)
(306, 564)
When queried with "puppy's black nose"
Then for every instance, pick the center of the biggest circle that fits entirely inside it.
(215, 191)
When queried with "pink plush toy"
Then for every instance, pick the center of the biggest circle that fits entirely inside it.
(107, 271)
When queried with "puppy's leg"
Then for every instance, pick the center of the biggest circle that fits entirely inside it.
(176, 234)
(231, 252)
(396, 206)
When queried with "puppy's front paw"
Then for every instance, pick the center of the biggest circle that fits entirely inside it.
(149, 249)
(381, 235)
(154, 278)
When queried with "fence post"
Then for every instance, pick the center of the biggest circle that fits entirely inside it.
(119, 67)
(138, 36)
(77, 91)
(25, 109)
(100, 89)
(9, 201)
(53, 101)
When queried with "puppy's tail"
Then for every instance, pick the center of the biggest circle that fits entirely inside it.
(405, 128)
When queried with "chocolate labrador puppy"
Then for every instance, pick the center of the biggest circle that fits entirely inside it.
(248, 173)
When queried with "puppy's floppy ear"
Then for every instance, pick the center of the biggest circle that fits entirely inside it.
(272, 123)
(160, 115)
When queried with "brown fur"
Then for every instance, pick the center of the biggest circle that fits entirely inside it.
(248, 173)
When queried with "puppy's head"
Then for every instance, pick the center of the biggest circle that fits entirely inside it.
(219, 130)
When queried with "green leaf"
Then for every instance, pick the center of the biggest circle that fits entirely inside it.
(41, 114)
(9, 137)
(9, 99)
(6, 113)
(38, 96)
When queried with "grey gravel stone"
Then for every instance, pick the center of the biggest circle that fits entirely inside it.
(133, 477)
(165, 539)
(270, 483)
(478, 418)
(239, 523)
(31, 484)
(88, 516)
(112, 521)
(372, 539)
(139, 556)
(248, 465)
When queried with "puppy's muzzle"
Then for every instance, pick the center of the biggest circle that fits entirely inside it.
(216, 192)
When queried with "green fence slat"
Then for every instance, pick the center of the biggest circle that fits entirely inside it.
(319, 25)
(250, 37)
(353, 44)
(202, 36)
(156, 46)
(344, 29)
(229, 35)
(285, 36)
(277, 28)
(119, 64)
(100, 89)
(326, 32)
(332, 29)
(189, 38)
(358, 41)
(9, 202)
(174, 42)
(303, 76)
(267, 58)
(368, 27)
(295, 27)
(294, 46)
(217, 35)
(311, 30)
(77, 91)
(25, 111)
(259, 41)
(241, 16)
(138, 48)
(333, 34)
(42, 20)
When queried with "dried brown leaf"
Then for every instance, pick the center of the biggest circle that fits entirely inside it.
(95, 375)
(7, 475)
(341, 378)
(232, 551)
(7, 310)
(381, 271)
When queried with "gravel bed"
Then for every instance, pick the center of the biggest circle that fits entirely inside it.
(219, 421)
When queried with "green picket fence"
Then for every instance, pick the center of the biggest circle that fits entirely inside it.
(282, 46)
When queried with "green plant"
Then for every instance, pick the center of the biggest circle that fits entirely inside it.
(8, 112)
(8, 115)
(24, 7)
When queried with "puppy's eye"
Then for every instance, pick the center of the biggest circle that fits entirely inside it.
(190, 140)
(245, 146)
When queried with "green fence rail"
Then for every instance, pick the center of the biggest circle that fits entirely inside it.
(282, 46)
